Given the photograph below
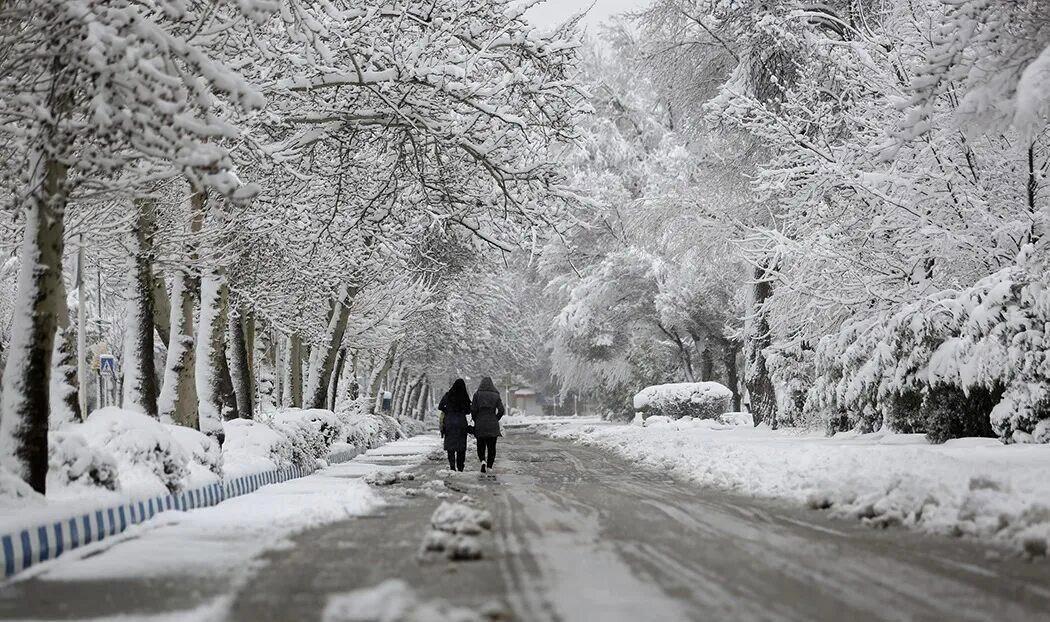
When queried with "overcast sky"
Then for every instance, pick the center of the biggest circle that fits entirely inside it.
(553, 12)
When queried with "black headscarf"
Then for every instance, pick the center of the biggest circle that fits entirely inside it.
(457, 398)
(486, 385)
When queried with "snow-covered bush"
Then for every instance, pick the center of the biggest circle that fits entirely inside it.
(253, 446)
(367, 431)
(71, 461)
(202, 449)
(302, 429)
(143, 447)
(974, 356)
(411, 427)
(702, 400)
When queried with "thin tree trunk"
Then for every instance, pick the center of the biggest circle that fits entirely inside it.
(65, 398)
(295, 370)
(82, 371)
(24, 409)
(161, 309)
(756, 377)
(240, 362)
(321, 369)
(729, 352)
(333, 391)
(140, 373)
(378, 376)
(707, 365)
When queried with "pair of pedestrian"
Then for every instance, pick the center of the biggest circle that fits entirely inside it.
(486, 409)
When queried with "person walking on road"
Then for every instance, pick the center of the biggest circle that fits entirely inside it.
(454, 406)
(486, 409)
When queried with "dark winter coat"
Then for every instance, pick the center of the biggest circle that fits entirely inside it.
(453, 424)
(487, 409)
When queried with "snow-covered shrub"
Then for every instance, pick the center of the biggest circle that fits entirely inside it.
(71, 461)
(303, 434)
(142, 446)
(702, 400)
(326, 422)
(903, 412)
(411, 427)
(368, 431)
(253, 446)
(791, 370)
(985, 350)
(202, 449)
(949, 413)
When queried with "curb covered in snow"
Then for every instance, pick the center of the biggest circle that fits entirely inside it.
(42, 542)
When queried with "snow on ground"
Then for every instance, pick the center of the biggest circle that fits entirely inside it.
(228, 539)
(393, 601)
(968, 487)
(118, 455)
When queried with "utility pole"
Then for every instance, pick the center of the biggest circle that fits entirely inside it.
(81, 333)
(98, 319)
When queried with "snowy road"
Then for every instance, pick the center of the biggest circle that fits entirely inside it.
(581, 535)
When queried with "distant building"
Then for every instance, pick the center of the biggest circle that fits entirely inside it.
(526, 401)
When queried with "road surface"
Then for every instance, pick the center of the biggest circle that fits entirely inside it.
(582, 535)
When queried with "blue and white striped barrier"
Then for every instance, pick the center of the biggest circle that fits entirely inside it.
(32, 545)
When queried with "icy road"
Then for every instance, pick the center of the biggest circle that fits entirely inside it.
(576, 535)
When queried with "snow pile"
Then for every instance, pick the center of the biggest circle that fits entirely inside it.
(205, 456)
(393, 601)
(975, 486)
(72, 462)
(703, 400)
(737, 418)
(15, 493)
(460, 518)
(455, 527)
(385, 477)
(149, 459)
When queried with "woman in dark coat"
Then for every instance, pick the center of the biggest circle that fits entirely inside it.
(487, 409)
(454, 407)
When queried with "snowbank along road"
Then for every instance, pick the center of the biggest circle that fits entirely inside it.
(569, 533)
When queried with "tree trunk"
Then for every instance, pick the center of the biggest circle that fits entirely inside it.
(424, 400)
(179, 401)
(24, 409)
(240, 361)
(267, 385)
(140, 373)
(214, 389)
(756, 376)
(321, 370)
(729, 352)
(333, 390)
(707, 365)
(64, 397)
(378, 376)
(295, 370)
(161, 309)
(178, 397)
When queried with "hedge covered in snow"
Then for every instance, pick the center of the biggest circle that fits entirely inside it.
(701, 400)
(974, 362)
(128, 452)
